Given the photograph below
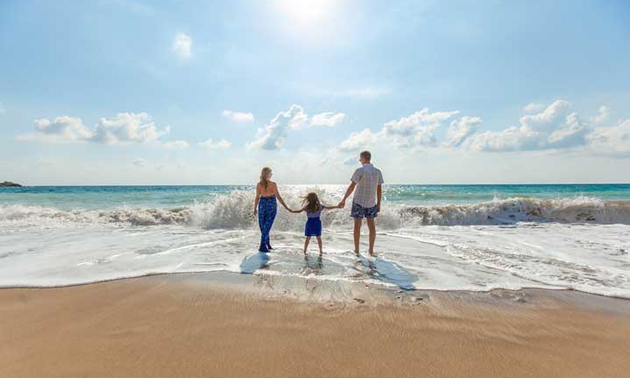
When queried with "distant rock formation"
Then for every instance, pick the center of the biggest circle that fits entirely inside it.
(9, 184)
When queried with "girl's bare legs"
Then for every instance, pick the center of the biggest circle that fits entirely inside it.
(306, 241)
(319, 243)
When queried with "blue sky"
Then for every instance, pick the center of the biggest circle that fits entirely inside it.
(185, 92)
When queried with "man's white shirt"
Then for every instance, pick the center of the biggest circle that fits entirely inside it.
(367, 179)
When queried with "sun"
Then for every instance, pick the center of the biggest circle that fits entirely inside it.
(305, 13)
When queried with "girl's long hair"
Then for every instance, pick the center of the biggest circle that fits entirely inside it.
(264, 181)
(311, 203)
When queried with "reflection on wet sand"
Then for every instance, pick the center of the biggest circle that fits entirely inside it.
(302, 267)
(313, 265)
(386, 271)
(254, 262)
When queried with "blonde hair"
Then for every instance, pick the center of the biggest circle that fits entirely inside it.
(311, 203)
(264, 181)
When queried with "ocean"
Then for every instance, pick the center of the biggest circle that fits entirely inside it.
(444, 237)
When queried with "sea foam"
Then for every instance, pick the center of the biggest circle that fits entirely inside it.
(235, 211)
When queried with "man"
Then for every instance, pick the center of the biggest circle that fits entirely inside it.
(366, 202)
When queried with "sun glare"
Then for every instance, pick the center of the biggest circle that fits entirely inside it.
(305, 13)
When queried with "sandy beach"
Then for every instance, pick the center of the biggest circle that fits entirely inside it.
(194, 326)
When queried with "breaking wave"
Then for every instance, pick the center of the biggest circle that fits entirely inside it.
(235, 211)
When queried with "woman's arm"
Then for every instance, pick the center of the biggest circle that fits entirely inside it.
(280, 198)
(256, 199)
(296, 211)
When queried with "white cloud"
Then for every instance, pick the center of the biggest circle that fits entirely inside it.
(554, 127)
(210, 144)
(182, 46)
(274, 134)
(549, 119)
(139, 162)
(329, 119)
(572, 133)
(127, 128)
(417, 129)
(351, 160)
(461, 129)
(176, 145)
(533, 107)
(604, 114)
(122, 129)
(63, 128)
(510, 139)
(614, 140)
(358, 141)
(296, 117)
(239, 117)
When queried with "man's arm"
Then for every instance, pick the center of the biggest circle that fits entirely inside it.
(379, 194)
(349, 191)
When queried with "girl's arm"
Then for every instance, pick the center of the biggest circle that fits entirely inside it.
(330, 207)
(296, 211)
(256, 199)
(280, 198)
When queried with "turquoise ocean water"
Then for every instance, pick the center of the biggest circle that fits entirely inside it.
(109, 197)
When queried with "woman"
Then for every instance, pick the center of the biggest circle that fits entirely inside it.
(265, 206)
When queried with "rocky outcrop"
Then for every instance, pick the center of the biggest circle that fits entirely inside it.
(9, 184)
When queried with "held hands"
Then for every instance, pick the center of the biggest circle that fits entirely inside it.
(290, 210)
(342, 204)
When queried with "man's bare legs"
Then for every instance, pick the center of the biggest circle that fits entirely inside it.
(306, 241)
(357, 234)
(319, 243)
(372, 229)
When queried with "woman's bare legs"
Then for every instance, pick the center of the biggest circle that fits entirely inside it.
(306, 241)
(319, 243)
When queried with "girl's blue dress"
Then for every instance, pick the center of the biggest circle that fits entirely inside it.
(313, 224)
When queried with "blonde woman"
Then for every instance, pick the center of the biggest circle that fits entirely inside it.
(265, 206)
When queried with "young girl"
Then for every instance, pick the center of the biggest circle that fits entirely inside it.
(313, 209)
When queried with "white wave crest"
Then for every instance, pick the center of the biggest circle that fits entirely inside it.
(512, 210)
(235, 211)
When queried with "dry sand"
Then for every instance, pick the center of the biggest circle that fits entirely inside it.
(167, 326)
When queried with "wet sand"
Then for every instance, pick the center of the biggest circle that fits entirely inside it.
(192, 326)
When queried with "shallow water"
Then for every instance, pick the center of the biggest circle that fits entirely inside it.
(499, 237)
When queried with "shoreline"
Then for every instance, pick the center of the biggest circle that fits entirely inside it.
(223, 279)
(230, 325)
(243, 281)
